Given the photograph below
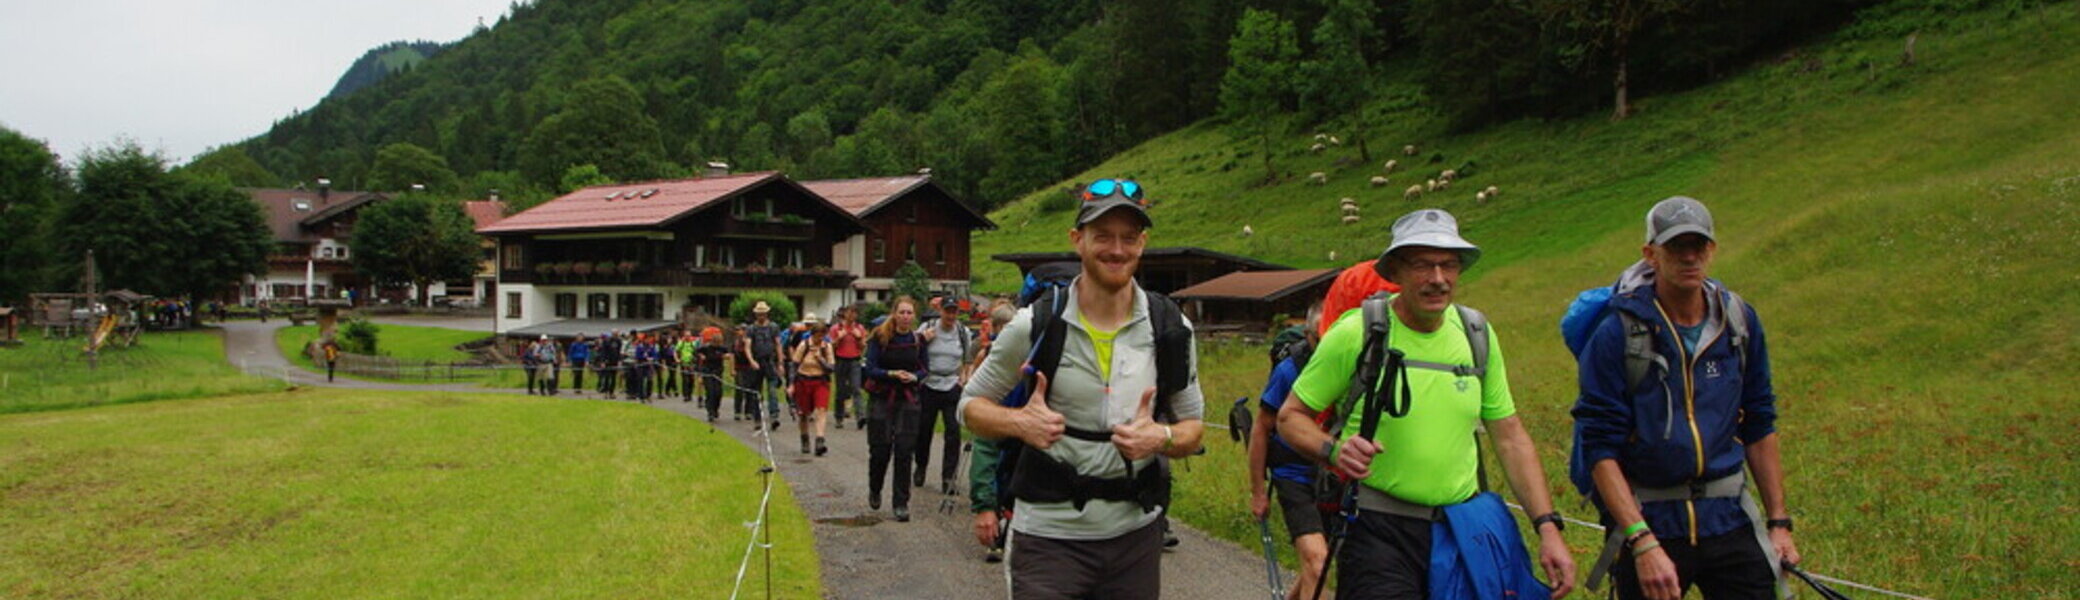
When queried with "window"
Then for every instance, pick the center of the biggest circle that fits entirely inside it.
(512, 257)
(736, 208)
(342, 251)
(567, 306)
(772, 256)
(512, 305)
(641, 306)
(769, 208)
(794, 257)
(729, 255)
(327, 253)
(880, 250)
(913, 214)
(910, 252)
(598, 305)
(939, 253)
(700, 256)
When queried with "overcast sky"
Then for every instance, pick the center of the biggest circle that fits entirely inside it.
(185, 75)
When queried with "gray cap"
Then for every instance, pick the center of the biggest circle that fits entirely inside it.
(1676, 216)
(1432, 228)
(1090, 207)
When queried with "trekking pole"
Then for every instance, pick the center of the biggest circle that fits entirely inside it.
(1826, 593)
(1368, 427)
(1270, 559)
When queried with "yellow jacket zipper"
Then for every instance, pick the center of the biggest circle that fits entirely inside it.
(1689, 405)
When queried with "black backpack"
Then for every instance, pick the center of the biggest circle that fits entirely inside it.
(1041, 478)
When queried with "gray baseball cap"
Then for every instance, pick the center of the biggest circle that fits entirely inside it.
(1676, 216)
(1432, 228)
(1104, 195)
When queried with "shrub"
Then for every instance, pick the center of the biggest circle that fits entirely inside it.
(784, 310)
(358, 336)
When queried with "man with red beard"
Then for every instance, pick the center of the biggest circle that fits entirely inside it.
(1088, 481)
(1407, 447)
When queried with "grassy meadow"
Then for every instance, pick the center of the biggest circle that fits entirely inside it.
(1905, 232)
(410, 343)
(53, 374)
(330, 494)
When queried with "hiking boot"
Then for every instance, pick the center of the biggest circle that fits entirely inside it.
(874, 500)
(805, 443)
(995, 555)
(820, 448)
(862, 422)
(1169, 539)
(776, 426)
(946, 486)
(902, 514)
(917, 480)
(839, 422)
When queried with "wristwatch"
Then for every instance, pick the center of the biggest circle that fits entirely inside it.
(1784, 524)
(1551, 517)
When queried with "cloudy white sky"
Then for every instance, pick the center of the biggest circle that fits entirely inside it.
(184, 75)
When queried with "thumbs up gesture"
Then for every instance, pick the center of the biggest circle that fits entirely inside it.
(1140, 437)
(1038, 425)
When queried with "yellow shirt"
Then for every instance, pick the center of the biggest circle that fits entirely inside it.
(1101, 340)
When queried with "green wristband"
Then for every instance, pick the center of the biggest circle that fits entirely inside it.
(1635, 528)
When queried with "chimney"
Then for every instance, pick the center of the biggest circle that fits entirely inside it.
(494, 194)
(418, 187)
(926, 171)
(716, 169)
(324, 190)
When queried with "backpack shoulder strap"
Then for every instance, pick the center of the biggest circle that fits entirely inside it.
(1048, 330)
(1736, 312)
(1639, 349)
(1377, 317)
(1476, 338)
(1173, 350)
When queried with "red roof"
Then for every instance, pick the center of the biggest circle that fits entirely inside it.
(1256, 285)
(860, 196)
(484, 212)
(646, 204)
(287, 210)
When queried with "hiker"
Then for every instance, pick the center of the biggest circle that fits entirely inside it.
(1292, 476)
(811, 387)
(1089, 486)
(894, 366)
(1664, 441)
(848, 343)
(745, 403)
(331, 357)
(1418, 464)
(683, 360)
(666, 379)
(643, 380)
(548, 359)
(608, 357)
(761, 344)
(580, 355)
(991, 507)
(947, 345)
(709, 355)
(529, 363)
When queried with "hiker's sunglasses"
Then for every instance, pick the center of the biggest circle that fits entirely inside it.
(1106, 188)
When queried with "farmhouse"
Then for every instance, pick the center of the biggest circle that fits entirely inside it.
(310, 230)
(910, 218)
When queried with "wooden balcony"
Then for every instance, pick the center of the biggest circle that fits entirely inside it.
(761, 228)
(720, 277)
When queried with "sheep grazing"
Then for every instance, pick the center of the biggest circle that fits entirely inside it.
(1321, 137)
(1408, 150)
(1493, 191)
(1317, 148)
(1332, 256)
(1389, 167)
(1444, 184)
(1318, 178)
(1349, 205)
(1480, 196)
(1350, 219)
(1335, 141)
(1414, 192)
(1378, 180)
(1448, 175)
(1430, 186)
(1247, 231)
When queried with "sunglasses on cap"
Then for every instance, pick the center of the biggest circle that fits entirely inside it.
(1106, 188)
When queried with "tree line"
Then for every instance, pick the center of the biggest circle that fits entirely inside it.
(998, 97)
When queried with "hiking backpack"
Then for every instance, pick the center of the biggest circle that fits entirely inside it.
(1016, 477)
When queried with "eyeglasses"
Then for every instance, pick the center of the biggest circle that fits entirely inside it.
(1107, 188)
(1448, 266)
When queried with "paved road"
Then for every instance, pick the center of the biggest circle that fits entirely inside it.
(864, 554)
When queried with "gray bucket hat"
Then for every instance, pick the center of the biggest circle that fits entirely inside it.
(1676, 216)
(1430, 228)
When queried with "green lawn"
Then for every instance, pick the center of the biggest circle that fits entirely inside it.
(409, 343)
(54, 374)
(1906, 233)
(329, 494)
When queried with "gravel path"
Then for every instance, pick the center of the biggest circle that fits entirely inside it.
(865, 554)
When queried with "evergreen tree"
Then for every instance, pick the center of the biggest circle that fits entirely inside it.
(414, 239)
(401, 165)
(233, 165)
(1260, 83)
(603, 124)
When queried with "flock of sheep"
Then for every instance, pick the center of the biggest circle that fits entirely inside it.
(1349, 206)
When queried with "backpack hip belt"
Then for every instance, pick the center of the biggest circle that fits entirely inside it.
(1040, 477)
(1730, 486)
(1372, 500)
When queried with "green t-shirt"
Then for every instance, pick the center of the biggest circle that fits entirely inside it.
(1102, 341)
(1429, 456)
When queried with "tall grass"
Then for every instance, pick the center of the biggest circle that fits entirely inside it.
(1906, 233)
(336, 494)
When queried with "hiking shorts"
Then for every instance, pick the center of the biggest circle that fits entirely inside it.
(1128, 566)
(811, 394)
(1296, 501)
(1385, 557)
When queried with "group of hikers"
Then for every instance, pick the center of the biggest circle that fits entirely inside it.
(1367, 435)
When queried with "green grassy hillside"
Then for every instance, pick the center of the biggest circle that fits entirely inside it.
(1907, 234)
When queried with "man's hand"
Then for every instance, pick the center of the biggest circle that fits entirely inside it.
(1657, 574)
(1354, 457)
(1141, 437)
(1039, 426)
(1558, 562)
(1786, 550)
(1259, 504)
(986, 528)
